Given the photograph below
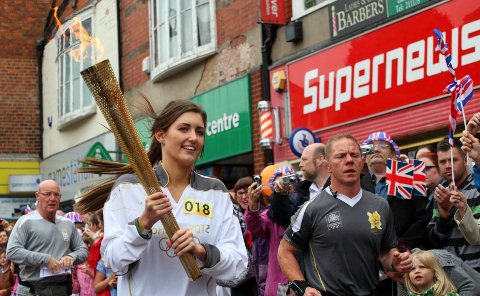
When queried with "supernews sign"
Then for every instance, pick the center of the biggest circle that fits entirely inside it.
(388, 69)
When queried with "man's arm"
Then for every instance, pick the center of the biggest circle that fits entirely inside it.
(291, 269)
(468, 225)
(394, 261)
(16, 251)
(288, 262)
(79, 249)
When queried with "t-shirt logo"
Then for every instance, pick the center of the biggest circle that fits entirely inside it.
(334, 220)
(375, 220)
(65, 234)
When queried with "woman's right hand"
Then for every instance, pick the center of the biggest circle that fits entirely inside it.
(254, 192)
(156, 205)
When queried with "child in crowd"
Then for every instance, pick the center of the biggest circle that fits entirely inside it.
(427, 277)
(7, 279)
(105, 283)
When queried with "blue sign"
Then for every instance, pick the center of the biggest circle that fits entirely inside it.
(300, 138)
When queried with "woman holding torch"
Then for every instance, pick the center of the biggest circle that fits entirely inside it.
(136, 246)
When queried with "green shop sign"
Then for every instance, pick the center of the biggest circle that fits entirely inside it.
(98, 151)
(229, 124)
(399, 6)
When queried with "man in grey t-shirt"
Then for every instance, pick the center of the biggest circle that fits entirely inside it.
(345, 232)
(45, 246)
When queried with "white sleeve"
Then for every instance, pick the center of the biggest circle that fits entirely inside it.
(122, 245)
(233, 254)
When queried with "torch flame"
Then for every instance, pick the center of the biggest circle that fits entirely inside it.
(57, 21)
(86, 41)
(81, 35)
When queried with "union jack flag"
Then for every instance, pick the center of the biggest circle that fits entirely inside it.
(465, 93)
(399, 179)
(419, 178)
(453, 119)
(442, 46)
(461, 92)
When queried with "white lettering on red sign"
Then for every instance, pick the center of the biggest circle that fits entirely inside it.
(274, 7)
(361, 79)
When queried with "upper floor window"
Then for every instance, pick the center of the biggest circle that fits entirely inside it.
(181, 32)
(75, 99)
(303, 7)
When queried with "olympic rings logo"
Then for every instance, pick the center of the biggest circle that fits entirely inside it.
(162, 245)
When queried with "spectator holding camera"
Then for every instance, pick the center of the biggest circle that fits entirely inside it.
(289, 193)
(262, 226)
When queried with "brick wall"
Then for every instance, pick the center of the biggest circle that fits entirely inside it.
(22, 25)
(235, 18)
(135, 43)
(256, 96)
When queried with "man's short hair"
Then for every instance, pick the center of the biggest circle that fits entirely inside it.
(444, 145)
(337, 137)
(319, 150)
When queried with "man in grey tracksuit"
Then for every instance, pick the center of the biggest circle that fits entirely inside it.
(45, 246)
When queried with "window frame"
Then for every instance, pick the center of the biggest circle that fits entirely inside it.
(174, 64)
(299, 11)
(75, 114)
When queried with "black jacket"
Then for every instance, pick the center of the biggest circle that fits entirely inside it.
(282, 206)
(410, 216)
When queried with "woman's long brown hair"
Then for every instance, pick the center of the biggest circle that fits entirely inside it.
(95, 198)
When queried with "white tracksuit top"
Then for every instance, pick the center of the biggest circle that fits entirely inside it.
(204, 207)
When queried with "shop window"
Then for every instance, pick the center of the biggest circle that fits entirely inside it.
(75, 99)
(181, 32)
(304, 7)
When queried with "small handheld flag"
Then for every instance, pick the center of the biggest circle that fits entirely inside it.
(419, 178)
(399, 179)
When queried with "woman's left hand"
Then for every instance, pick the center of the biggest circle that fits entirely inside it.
(182, 242)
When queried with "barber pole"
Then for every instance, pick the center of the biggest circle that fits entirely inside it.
(266, 125)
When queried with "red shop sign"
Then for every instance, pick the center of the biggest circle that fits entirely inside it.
(273, 11)
(388, 69)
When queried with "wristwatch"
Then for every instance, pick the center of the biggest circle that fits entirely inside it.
(298, 287)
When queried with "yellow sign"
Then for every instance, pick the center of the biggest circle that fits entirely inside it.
(192, 206)
(279, 80)
(8, 168)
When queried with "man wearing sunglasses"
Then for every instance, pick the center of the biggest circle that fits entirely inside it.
(46, 246)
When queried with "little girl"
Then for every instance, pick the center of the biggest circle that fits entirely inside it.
(427, 277)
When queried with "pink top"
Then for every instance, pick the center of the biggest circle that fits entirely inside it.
(260, 225)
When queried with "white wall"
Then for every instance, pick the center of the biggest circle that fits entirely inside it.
(55, 140)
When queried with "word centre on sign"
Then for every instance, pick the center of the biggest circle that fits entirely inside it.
(222, 124)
